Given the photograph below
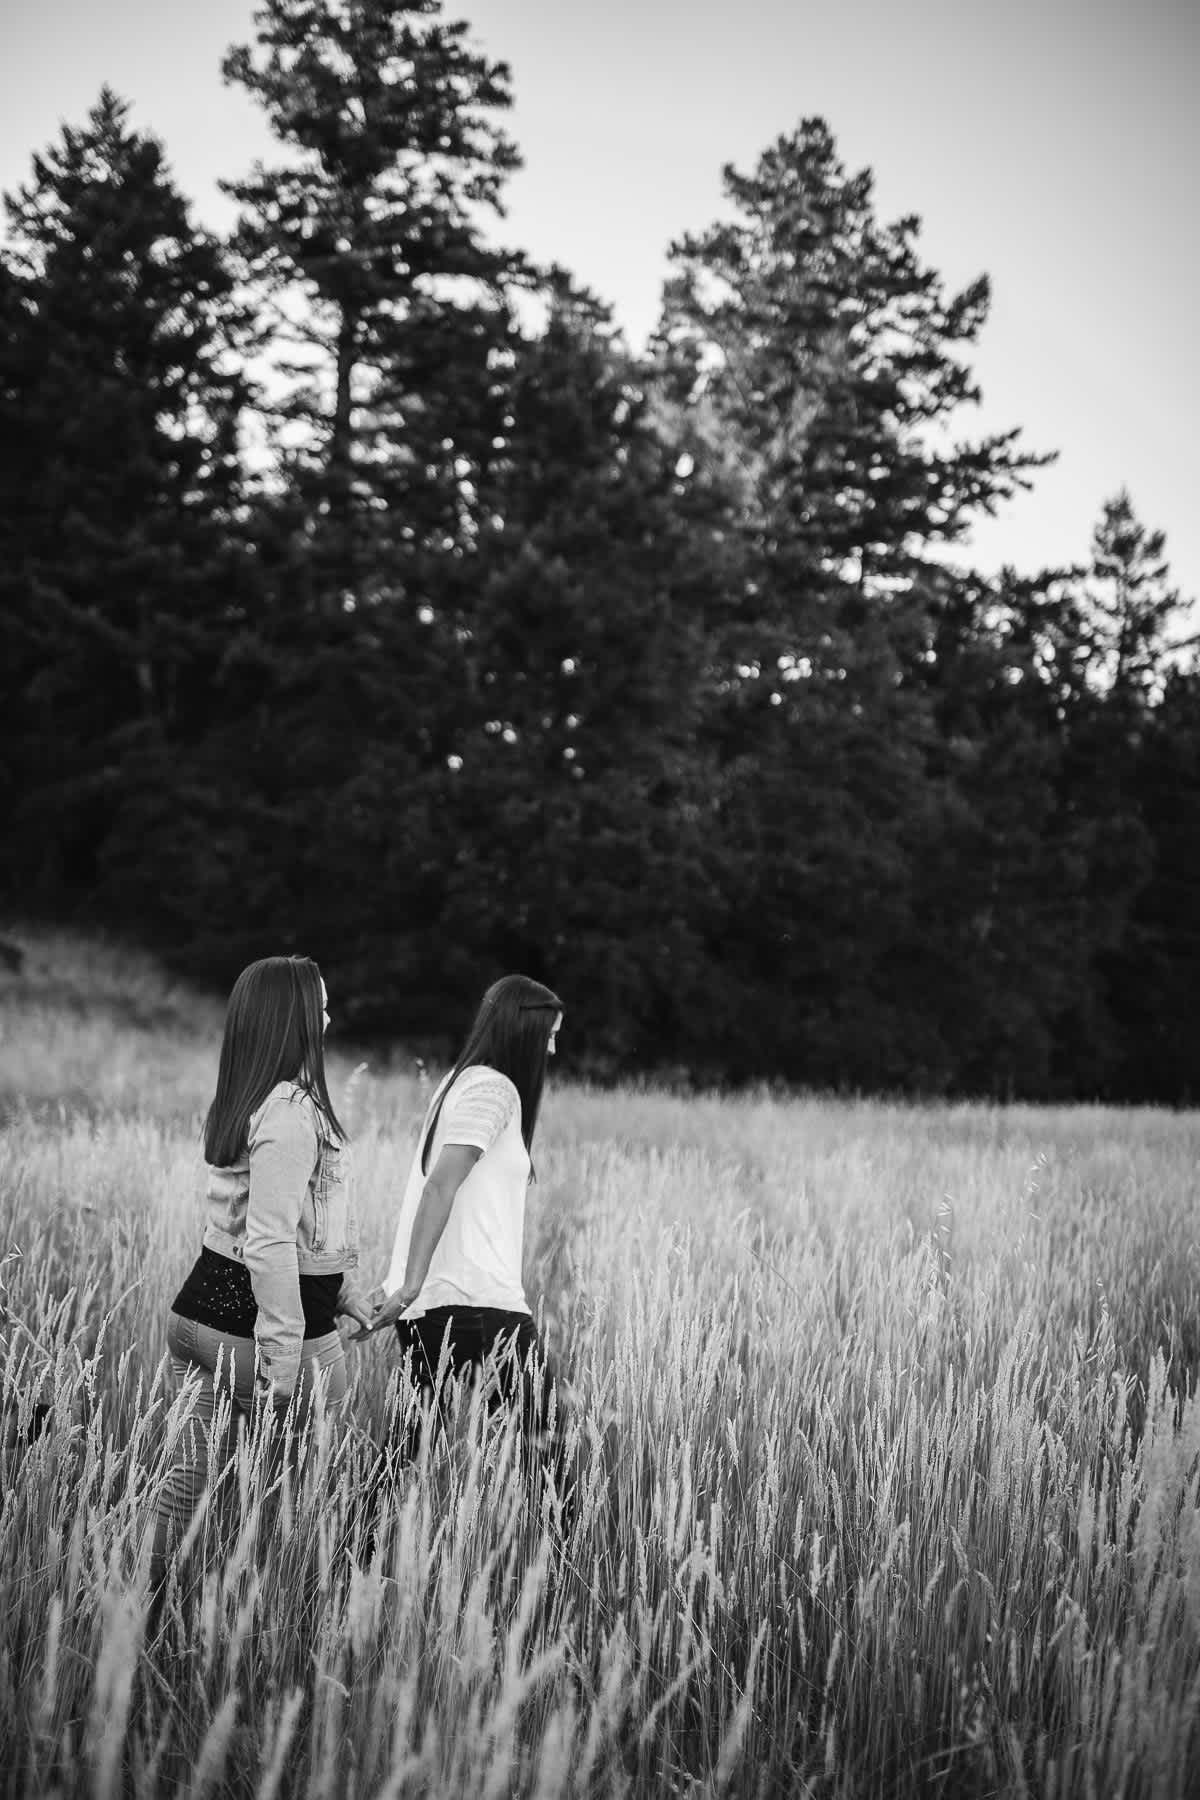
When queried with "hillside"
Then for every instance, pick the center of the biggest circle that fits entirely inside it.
(89, 1026)
(86, 1025)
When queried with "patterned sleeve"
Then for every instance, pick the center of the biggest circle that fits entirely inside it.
(478, 1109)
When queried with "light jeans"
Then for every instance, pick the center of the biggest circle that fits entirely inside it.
(225, 1367)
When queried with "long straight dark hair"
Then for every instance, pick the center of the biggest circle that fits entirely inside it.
(511, 1033)
(273, 1033)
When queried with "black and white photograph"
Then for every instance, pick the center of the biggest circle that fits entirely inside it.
(599, 900)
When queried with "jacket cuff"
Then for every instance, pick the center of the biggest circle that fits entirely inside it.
(277, 1374)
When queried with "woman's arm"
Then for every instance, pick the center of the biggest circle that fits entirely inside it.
(283, 1154)
(449, 1172)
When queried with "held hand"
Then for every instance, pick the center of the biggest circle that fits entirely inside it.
(361, 1308)
(383, 1309)
(360, 1312)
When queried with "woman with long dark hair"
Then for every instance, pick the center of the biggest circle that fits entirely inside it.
(255, 1319)
(454, 1287)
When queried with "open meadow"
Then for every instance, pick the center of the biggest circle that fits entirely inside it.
(889, 1464)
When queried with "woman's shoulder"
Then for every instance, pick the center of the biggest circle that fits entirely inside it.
(288, 1107)
(480, 1105)
(482, 1081)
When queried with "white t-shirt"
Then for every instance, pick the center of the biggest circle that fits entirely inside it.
(477, 1259)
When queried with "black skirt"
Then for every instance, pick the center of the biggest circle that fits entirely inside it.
(218, 1293)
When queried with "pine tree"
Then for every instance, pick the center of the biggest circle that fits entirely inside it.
(820, 359)
(1076, 664)
(119, 479)
(1132, 605)
(387, 312)
(556, 823)
(1003, 918)
(812, 363)
(383, 332)
(587, 650)
(1154, 979)
(1132, 773)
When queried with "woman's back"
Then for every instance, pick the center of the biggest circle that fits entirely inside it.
(477, 1260)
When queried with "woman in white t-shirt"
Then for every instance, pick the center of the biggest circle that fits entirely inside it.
(454, 1289)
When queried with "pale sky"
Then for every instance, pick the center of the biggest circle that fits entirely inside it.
(1053, 144)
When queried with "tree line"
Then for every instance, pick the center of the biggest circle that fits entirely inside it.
(364, 593)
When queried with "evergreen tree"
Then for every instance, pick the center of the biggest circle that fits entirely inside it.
(1131, 606)
(1073, 664)
(813, 361)
(1154, 978)
(386, 310)
(556, 825)
(119, 482)
(1131, 773)
(821, 358)
(1003, 923)
(384, 332)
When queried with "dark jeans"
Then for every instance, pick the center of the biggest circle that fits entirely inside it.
(505, 1349)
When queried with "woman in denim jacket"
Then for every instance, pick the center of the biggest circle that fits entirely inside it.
(256, 1318)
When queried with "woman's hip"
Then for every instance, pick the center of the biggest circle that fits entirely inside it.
(221, 1357)
(468, 1334)
(229, 1361)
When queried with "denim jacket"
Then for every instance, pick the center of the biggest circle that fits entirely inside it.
(285, 1210)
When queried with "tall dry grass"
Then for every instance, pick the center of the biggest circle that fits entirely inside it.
(888, 1462)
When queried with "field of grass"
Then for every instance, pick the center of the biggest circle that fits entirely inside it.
(889, 1465)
